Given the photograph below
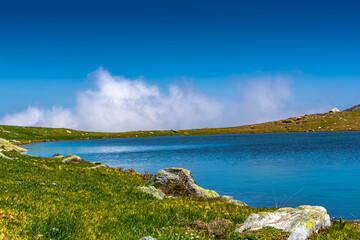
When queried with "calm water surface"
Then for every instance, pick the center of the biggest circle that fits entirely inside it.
(263, 170)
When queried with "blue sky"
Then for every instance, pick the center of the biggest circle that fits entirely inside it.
(48, 48)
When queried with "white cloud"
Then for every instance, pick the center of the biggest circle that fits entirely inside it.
(120, 104)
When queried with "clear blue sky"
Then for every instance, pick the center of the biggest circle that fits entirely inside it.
(47, 48)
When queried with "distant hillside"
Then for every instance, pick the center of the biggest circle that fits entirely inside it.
(352, 109)
(339, 121)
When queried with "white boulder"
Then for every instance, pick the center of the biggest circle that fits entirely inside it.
(301, 222)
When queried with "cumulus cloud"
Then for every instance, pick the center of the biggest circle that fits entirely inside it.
(120, 104)
(116, 103)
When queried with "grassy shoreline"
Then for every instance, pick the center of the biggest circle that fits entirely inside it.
(43, 198)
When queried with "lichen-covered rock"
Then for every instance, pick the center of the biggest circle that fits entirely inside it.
(100, 166)
(230, 199)
(183, 178)
(301, 222)
(3, 156)
(75, 159)
(58, 155)
(7, 146)
(157, 193)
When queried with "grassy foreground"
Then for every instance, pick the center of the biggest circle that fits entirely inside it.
(43, 198)
(341, 121)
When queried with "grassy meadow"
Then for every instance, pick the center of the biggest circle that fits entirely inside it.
(43, 198)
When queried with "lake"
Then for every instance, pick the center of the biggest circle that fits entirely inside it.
(263, 170)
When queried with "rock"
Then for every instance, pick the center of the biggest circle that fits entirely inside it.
(3, 156)
(58, 155)
(132, 172)
(157, 193)
(334, 110)
(147, 238)
(230, 199)
(7, 146)
(97, 163)
(183, 179)
(101, 166)
(75, 159)
(301, 222)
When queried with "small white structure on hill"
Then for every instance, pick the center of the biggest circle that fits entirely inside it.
(334, 110)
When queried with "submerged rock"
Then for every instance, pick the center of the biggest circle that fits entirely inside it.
(7, 146)
(157, 193)
(301, 222)
(230, 199)
(75, 159)
(179, 181)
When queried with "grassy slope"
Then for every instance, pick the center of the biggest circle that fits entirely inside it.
(343, 121)
(42, 198)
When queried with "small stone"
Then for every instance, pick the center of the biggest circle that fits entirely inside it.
(97, 163)
(100, 166)
(230, 199)
(75, 159)
(7, 146)
(58, 155)
(157, 193)
(147, 238)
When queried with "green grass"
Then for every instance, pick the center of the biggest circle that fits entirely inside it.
(43, 198)
(342, 121)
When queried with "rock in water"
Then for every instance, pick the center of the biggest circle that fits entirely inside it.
(180, 178)
(157, 193)
(301, 222)
(7, 146)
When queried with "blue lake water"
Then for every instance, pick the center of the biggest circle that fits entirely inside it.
(263, 170)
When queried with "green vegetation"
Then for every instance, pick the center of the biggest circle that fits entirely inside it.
(43, 198)
(342, 121)
(335, 232)
(264, 233)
